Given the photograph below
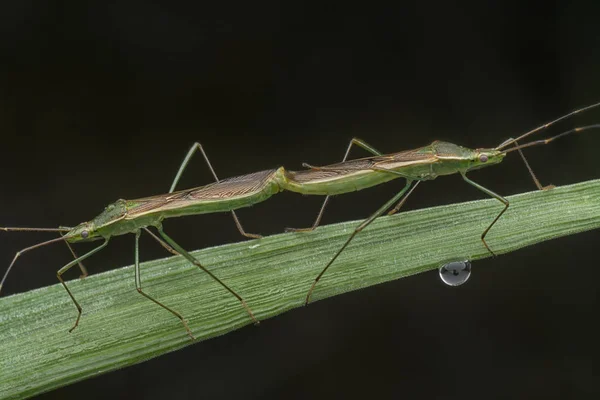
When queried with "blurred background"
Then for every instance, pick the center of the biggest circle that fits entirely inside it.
(100, 102)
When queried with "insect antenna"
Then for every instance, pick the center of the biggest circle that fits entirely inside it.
(13, 229)
(548, 140)
(546, 125)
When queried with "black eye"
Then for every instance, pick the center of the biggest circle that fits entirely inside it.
(85, 234)
(483, 158)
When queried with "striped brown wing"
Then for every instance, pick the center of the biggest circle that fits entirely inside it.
(232, 187)
(362, 164)
(227, 188)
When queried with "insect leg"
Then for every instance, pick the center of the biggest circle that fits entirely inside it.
(403, 200)
(535, 179)
(66, 268)
(359, 228)
(138, 286)
(162, 242)
(20, 253)
(193, 260)
(84, 272)
(494, 195)
(354, 141)
(195, 147)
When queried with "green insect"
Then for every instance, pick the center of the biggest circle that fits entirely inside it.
(425, 163)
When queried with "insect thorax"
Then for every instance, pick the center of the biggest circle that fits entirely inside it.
(451, 150)
(451, 158)
(111, 213)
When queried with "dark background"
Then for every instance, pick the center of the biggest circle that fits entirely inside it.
(102, 102)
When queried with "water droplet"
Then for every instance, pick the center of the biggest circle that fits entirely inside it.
(455, 273)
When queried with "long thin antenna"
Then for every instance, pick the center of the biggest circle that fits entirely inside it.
(13, 229)
(546, 125)
(548, 140)
(25, 250)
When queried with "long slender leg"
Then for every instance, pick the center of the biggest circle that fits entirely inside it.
(162, 242)
(362, 226)
(191, 259)
(494, 195)
(402, 201)
(138, 286)
(535, 179)
(354, 141)
(20, 253)
(84, 271)
(195, 147)
(66, 268)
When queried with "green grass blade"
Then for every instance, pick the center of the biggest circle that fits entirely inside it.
(120, 328)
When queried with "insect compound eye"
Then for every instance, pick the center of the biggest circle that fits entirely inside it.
(483, 158)
(85, 234)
